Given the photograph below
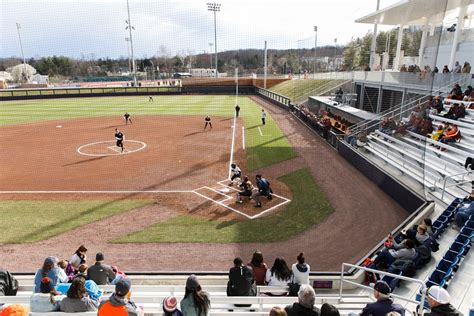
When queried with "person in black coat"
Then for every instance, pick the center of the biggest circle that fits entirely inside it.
(241, 280)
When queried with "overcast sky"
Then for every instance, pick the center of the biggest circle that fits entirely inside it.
(76, 27)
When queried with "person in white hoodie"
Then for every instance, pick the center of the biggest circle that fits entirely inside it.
(300, 270)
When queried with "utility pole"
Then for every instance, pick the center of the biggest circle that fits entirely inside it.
(130, 28)
(214, 7)
(210, 53)
(25, 74)
(315, 47)
(265, 67)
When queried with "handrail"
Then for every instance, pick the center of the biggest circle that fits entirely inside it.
(452, 176)
(422, 284)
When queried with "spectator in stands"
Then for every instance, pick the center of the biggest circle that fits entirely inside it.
(451, 135)
(435, 70)
(196, 302)
(77, 299)
(170, 307)
(451, 111)
(67, 268)
(259, 267)
(468, 92)
(300, 270)
(457, 68)
(277, 311)
(414, 124)
(456, 93)
(241, 281)
(465, 210)
(437, 104)
(446, 69)
(388, 256)
(401, 130)
(82, 271)
(466, 68)
(15, 310)
(436, 135)
(264, 189)
(305, 305)
(79, 257)
(51, 270)
(387, 125)
(384, 303)
(279, 274)
(47, 300)
(329, 310)
(438, 299)
(91, 287)
(8, 284)
(425, 127)
(119, 303)
(100, 273)
(460, 112)
(403, 68)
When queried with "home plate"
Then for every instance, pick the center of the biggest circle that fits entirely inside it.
(224, 190)
(59, 126)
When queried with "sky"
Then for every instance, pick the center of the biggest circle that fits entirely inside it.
(85, 28)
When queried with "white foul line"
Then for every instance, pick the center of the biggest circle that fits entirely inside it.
(232, 145)
(222, 204)
(261, 134)
(96, 191)
(243, 137)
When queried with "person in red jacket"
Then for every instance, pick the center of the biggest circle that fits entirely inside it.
(118, 303)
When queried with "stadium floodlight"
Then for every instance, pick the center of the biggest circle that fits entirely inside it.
(130, 28)
(210, 53)
(315, 46)
(214, 7)
(25, 73)
(128, 53)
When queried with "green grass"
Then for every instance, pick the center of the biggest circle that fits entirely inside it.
(308, 207)
(299, 90)
(31, 221)
(262, 151)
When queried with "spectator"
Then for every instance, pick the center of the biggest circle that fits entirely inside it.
(465, 210)
(100, 273)
(82, 271)
(241, 280)
(51, 270)
(15, 310)
(118, 303)
(264, 189)
(79, 257)
(466, 68)
(91, 287)
(387, 126)
(456, 92)
(67, 268)
(451, 111)
(279, 275)
(305, 305)
(468, 91)
(451, 135)
(457, 68)
(425, 127)
(388, 256)
(329, 310)
(277, 311)
(436, 135)
(438, 299)
(435, 70)
(246, 189)
(384, 303)
(47, 300)
(300, 270)
(77, 299)
(437, 104)
(446, 69)
(460, 112)
(259, 267)
(170, 307)
(8, 283)
(403, 68)
(196, 302)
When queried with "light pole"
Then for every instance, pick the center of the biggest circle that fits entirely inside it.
(210, 52)
(152, 70)
(215, 7)
(25, 75)
(128, 52)
(335, 52)
(130, 28)
(315, 46)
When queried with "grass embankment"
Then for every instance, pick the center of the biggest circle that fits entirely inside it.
(308, 208)
(300, 90)
(31, 221)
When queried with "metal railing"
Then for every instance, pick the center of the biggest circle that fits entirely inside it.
(457, 183)
(421, 283)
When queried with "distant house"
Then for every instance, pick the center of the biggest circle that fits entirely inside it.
(40, 79)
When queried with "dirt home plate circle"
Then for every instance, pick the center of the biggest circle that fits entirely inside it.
(109, 148)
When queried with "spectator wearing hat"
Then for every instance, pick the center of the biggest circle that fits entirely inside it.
(196, 302)
(384, 303)
(77, 300)
(51, 270)
(438, 299)
(118, 304)
(100, 273)
(170, 307)
(47, 300)
(305, 305)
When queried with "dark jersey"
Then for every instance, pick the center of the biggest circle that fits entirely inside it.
(126, 116)
(207, 119)
(119, 136)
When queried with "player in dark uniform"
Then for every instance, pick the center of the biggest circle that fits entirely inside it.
(207, 119)
(127, 118)
(150, 99)
(246, 189)
(119, 138)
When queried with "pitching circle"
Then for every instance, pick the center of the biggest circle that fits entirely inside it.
(110, 152)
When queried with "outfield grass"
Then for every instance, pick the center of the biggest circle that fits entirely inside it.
(31, 221)
(308, 207)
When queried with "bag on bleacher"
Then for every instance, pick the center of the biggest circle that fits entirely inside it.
(432, 244)
(293, 289)
(8, 284)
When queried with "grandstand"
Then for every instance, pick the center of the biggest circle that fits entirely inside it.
(426, 177)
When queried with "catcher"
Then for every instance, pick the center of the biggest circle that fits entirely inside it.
(246, 189)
